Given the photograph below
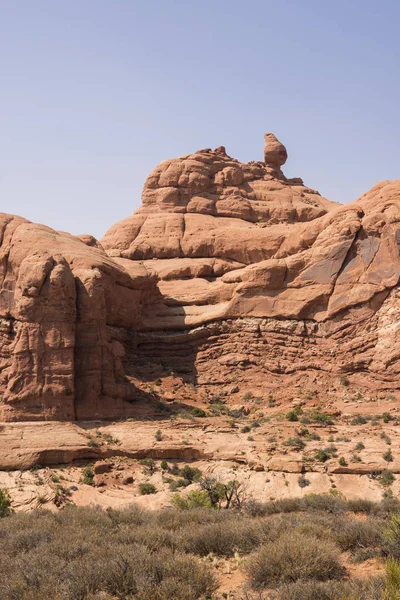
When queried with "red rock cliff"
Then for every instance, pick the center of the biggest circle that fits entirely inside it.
(226, 268)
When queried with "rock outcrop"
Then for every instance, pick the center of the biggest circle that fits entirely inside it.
(227, 270)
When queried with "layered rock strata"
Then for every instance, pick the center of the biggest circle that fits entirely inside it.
(227, 269)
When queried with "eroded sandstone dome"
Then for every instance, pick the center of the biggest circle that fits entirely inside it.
(225, 266)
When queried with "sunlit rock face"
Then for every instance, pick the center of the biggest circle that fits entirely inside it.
(225, 266)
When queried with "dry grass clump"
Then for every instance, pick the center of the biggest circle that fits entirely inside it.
(293, 546)
(222, 539)
(82, 551)
(291, 557)
(334, 590)
(326, 503)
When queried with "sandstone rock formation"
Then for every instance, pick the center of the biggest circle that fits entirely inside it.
(227, 270)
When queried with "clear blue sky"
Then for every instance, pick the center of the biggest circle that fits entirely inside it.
(95, 93)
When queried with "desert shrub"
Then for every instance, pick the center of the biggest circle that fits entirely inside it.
(295, 443)
(389, 505)
(88, 476)
(359, 420)
(384, 436)
(351, 533)
(322, 456)
(320, 417)
(177, 520)
(386, 477)
(235, 413)
(342, 461)
(388, 456)
(291, 557)
(5, 502)
(222, 539)
(190, 474)
(303, 481)
(92, 443)
(333, 590)
(256, 509)
(145, 489)
(344, 381)
(164, 465)
(158, 435)
(196, 499)
(359, 446)
(149, 463)
(245, 429)
(177, 484)
(360, 505)
(386, 417)
(198, 412)
(292, 416)
(324, 502)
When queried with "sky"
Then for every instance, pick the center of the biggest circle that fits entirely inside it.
(95, 93)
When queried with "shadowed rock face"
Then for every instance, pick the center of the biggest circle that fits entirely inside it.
(224, 264)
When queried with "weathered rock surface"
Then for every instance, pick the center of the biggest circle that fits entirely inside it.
(226, 268)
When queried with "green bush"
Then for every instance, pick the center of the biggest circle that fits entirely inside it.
(149, 463)
(386, 417)
(177, 484)
(386, 477)
(322, 418)
(359, 420)
(296, 443)
(145, 489)
(190, 474)
(198, 412)
(196, 499)
(388, 456)
(88, 476)
(5, 503)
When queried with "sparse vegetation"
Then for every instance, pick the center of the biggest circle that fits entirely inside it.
(303, 481)
(388, 456)
(386, 417)
(88, 476)
(190, 474)
(384, 436)
(344, 381)
(386, 477)
(291, 557)
(198, 412)
(150, 465)
(295, 443)
(145, 489)
(294, 546)
(5, 503)
(359, 420)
